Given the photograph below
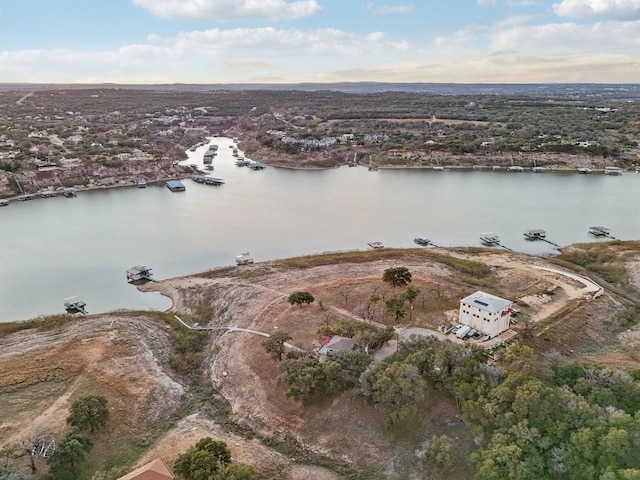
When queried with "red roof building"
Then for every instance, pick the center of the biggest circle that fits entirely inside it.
(154, 470)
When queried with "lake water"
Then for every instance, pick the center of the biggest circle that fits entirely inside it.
(59, 247)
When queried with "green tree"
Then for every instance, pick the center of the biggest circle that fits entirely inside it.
(397, 276)
(65, 462)
(440, 452)
(203, 461)
(89, 413)
(395, 308)
(274, 345)
(298, 298)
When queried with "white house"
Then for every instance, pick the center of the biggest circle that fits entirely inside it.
(486, 313)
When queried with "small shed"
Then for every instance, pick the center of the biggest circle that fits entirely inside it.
(336, 345)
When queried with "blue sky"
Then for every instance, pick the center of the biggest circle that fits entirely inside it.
(288, 41)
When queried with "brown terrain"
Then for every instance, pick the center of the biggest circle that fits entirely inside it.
(126, 357)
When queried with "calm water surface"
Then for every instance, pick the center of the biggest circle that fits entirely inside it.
(58, 247)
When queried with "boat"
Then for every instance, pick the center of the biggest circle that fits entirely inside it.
(47, 194)
(612, 171)
(425, 242)
(25, 197)
(376, 245)
(142, 184)
(599, 231)
(535, 234)
(584, 170)
(438, 168)
(516, 168)
(69, 192)
(496, 167)
(255, 165)
(490, 238)
(209, 167)
(241, 162)
(4, 203)
(538, 169)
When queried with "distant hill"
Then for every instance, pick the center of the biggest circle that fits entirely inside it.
(558, 90)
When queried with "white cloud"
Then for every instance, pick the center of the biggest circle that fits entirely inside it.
(562, 38)
(614, 9)
(225, 10)
(388, 9)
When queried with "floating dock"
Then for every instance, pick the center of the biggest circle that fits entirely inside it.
(601, 232)
(207, 180)
(612, 171)
(139, 273)
(491, 239)
(176, 186)
(538, 234)
(75, 304)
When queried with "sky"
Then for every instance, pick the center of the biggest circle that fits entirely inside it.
(292, 41)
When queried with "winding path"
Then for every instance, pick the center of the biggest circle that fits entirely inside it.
(233, 329)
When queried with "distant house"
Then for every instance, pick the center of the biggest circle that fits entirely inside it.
(486, 313)
(154, 470)
(336, 345)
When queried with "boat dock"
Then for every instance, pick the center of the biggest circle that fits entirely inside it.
(601, 232)
(139, 273)
(538, 234)
(491, 239)
(424, 242)
(244, 258)
(176, 186)
(75, 305)
(207, 180)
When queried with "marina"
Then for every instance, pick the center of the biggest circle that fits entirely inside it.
(282, 213)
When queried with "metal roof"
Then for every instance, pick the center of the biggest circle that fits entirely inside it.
(486, 301)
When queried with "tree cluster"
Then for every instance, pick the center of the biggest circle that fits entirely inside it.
(210, 459)
(307, 379)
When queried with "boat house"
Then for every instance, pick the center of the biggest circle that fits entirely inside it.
(244, 258)
(535, 234)
(139, 272)
(75, 304)
(176, 186)
(486, 313)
